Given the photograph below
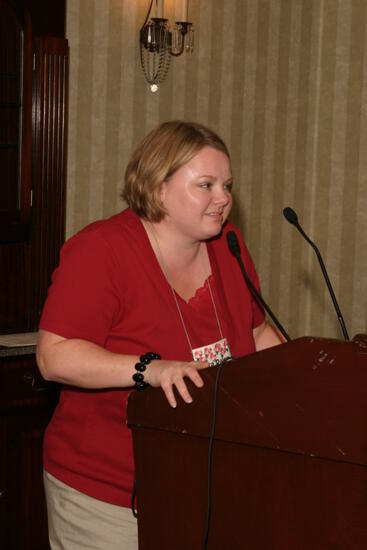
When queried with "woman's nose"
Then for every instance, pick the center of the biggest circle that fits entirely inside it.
(222, 196)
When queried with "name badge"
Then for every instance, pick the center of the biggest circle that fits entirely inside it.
(214, 353)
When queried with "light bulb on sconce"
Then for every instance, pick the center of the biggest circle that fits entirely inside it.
(158, 44)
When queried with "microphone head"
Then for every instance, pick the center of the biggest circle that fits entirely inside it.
(290, 215)
(233, 243)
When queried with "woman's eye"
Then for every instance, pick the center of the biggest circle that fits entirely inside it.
(205, 185)
(228, 187)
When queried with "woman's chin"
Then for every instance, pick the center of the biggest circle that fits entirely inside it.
(213, 231)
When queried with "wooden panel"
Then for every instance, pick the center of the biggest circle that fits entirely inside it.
(11, 56)
(15, 189)
(14, 287)
(49, 154)
(26, 496)
(31, 236)
(21, 385)
(289, 461)
(3, 476)
(48, 18)
(26, 405)
(16, 117)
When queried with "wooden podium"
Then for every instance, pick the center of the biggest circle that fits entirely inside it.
(289, 464)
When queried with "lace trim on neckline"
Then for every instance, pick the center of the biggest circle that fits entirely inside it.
(200, 293)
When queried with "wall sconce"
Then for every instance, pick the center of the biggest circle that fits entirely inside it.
(158, 44)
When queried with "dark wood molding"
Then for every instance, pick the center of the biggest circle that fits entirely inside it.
(48, 16)
(32, 226)
(50, 102)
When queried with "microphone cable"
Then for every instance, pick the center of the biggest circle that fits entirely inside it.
(210, 456)
(209, 467)
(234, 247)
(133, 499)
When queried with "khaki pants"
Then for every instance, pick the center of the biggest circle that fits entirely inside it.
(77, 521)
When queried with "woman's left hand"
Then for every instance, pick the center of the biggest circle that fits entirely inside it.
(167, 374)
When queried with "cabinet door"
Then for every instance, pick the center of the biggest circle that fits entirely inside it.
(26, 405)
(27, 517)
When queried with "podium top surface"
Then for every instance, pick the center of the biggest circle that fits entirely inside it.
(308, 396)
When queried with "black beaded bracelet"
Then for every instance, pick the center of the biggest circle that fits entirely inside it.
(140, 367)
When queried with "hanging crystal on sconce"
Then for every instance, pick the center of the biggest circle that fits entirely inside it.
(154, 51)
(177, 39)
(190, 40)
(158, 44)
(182, 38)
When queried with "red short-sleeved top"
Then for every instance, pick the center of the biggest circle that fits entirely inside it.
(109, 289)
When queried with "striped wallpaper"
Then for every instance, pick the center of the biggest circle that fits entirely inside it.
(284, 82)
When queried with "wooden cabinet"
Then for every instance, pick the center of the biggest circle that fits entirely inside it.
(26, 405)
(34, 59)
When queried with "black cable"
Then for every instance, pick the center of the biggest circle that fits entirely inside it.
(235, 249)
(133, 498)
(210, 453)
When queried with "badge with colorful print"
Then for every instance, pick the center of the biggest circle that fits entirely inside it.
(214, 353)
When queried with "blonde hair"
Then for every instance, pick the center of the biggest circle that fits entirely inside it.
(163, 151)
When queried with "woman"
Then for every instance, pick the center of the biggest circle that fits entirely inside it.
(157, 278)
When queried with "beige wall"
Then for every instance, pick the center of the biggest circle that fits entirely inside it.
(285, 84)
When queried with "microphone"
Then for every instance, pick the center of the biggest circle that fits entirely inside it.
(234, 247)
(292, 218)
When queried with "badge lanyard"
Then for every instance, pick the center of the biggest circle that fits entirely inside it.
(215, 352)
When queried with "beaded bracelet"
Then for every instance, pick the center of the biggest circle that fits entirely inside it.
(138, 377)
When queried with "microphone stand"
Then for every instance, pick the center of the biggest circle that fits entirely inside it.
(292, 218)
(236, 251)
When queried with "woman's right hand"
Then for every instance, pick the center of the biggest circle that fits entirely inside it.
(166, 374)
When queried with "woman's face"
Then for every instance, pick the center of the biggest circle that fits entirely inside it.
(198, 197)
